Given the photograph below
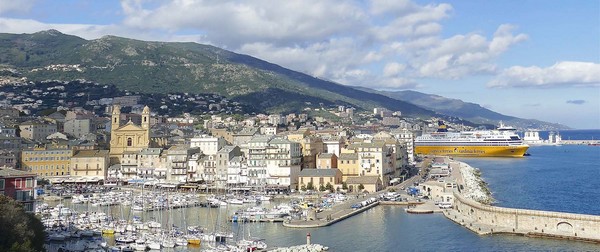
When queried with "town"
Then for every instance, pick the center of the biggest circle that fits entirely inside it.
(127, 142)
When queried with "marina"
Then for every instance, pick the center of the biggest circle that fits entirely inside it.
(264, 230)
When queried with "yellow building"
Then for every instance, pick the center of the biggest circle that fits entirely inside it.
(319, 177)
(90, 164)
(348, 165)
(48, 160)
(311, 146)
(368, 183)
(128, 138)
(327, 161)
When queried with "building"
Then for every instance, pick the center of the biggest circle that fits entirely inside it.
(370, 183)
(177, 162)
(243, 136)
(9, 112)
(237, 172)
(150, 163)
(333, 145)
(37, 131)
(319, 178)
(222, 132)
(128, 138)
(375, 159)
(406, 137)
(268, 130)
(348, 165)
(327, 161)
(440, 190)
(90, 164)
(223, 158)
(8, 158)
(283, 159)
(79, 127)
(277, 119)
(48, 160)
(8, 131)
(20, 186)
(207, 144)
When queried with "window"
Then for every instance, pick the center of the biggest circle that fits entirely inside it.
(1, 184)
(29, 183)
(129, 142)
(18, 183)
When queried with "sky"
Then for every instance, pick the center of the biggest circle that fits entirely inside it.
(533, 59)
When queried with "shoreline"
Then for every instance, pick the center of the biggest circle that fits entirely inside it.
(471, 211)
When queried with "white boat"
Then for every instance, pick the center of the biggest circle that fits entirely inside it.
(154, 245)
(140, 245)
(56, 237)
(168, 242)
(264, 198)
(235, 201)
(180, 241)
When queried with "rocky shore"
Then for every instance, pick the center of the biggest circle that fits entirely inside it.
(302, 248)
(475, 187)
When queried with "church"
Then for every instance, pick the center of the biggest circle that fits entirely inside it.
(128, 138)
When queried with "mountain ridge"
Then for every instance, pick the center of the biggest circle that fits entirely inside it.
(154, 66)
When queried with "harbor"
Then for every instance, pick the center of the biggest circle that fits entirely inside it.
(339, 213)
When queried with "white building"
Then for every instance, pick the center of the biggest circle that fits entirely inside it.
(207, 144)
(237, 172)
(333, 145)
(277, 119)
(283, 163)
(407, 138)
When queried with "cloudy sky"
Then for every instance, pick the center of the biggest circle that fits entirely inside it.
(532, 59)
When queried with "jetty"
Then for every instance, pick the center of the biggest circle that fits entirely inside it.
(335, 214)
(581, 142)
(486, 219)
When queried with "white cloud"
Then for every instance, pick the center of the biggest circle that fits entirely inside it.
(234, 23)
(459, 55)
(7, 6)
(393, 69)
(376, 43)
(561, 74)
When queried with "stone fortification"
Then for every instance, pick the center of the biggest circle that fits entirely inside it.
(486, 219)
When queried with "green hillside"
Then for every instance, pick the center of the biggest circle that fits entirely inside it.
(161, 67)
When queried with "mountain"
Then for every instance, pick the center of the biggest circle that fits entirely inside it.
(169, 67)
(465, 110)
(162, 67)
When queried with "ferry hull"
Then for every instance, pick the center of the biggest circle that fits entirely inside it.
(473, 151)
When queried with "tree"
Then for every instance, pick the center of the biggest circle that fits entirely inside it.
(303, 187)
(310, 186)
(361, 187)
(329, 187)
(20, 231)
(321, 187)
(344, 186)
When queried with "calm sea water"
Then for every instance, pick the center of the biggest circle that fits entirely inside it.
(556, 178)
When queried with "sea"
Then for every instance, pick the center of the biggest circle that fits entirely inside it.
(562, 178)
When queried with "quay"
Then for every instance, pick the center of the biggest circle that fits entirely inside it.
(581, 142)
(343, 211)
(340, 212)
(486, 219)
(483, 219)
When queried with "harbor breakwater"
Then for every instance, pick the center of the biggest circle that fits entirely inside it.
(486, 219)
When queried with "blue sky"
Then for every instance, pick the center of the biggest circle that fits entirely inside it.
(531, 59)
